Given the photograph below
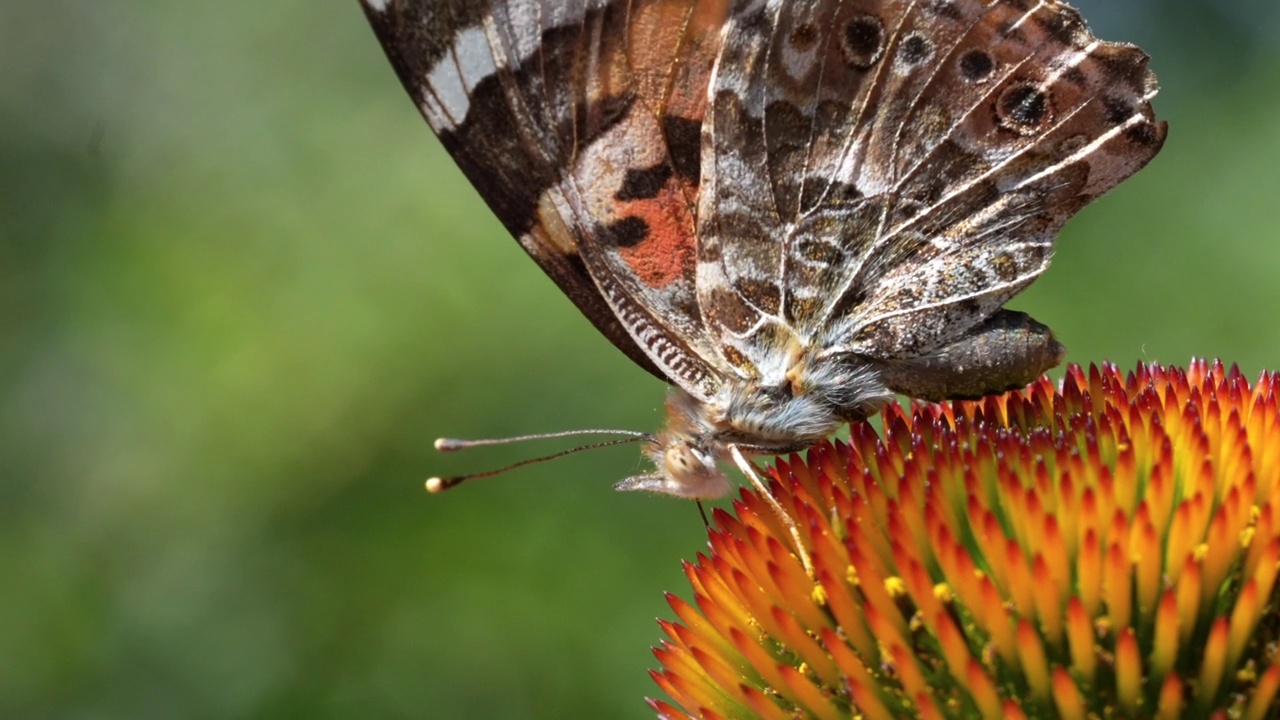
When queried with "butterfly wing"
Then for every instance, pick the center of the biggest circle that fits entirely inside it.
(579, 123)
(883, 175)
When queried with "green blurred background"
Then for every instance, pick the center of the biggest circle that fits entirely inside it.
(242, 289)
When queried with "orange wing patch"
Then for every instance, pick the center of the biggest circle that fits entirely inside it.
(665, 249)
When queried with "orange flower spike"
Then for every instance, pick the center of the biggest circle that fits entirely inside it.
(911, 494)
(1201, 505)
(995, 550)
(809, 696)
(1236, 506)
(756, 602)
(717, 603)
(1080, 640)
(1263, 570)
(1164, 650)
(1243, 619)
(1260, 540)
(882, 628)
(1188, 594)
(1012, 516)
(1264, 694)
(1116, 586)
(962, 575)
(983, 692)
(1047, 601)
(1220, 546)
(817, 477)
(1178, 542)
(1123, 484)
(952, 560)
(1035, 665)
(1020, 587)
(1212, 663)
(848, 616)
(907, 671)
(681, 664)
(724, 678)
(920, 590)
(1012, 710)
(732, 552)
(998, 622)
(802, 476)
(1089, 572)
(1066, 522)
(800, 643)
(759, 659)
(955, 650)
(1066, 696)
(869, 703)
(871, 582)
(698, 625)
(665, 711)
(1128, 671)
(794, 590)
(1233, 448)
(1262, 430)
(680, 638)
(926, 709)
(754, 512)
(1106, 503)
(855, 671)
(1169, 704)
(678, 688)
(763, 706)
(1147, 568)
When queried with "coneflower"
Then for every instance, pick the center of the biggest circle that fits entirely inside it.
(1103, 548)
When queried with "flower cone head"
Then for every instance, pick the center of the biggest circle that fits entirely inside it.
(1107, 547)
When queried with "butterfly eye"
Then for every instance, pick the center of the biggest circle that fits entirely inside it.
(684, 460)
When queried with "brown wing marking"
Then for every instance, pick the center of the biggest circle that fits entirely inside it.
(887, 174)
(537, 103)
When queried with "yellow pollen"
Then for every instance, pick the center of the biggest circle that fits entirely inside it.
(1107, 547)
(943, 592)
(895, 587)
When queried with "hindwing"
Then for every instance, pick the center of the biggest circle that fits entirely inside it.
(882, 175)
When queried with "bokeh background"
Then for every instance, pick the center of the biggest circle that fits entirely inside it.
(242, 289)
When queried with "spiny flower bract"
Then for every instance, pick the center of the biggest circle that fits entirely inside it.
(1106, 547)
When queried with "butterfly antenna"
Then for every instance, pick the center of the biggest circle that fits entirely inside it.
(440, 484)
(703, 512)
(454, 444)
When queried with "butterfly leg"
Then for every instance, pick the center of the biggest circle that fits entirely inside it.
(1007, 351)
(763, 488)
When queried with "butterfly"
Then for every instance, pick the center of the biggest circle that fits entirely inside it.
(789, 211)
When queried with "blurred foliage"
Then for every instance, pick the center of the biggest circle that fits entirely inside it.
(242, 289)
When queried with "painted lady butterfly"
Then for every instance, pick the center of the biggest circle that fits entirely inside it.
(788, 210)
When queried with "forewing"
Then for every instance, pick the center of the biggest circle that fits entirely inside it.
(578, 121)
(887, 174)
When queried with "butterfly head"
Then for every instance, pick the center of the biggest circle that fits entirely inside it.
(760, 416)
(683, 468)
(686, 455)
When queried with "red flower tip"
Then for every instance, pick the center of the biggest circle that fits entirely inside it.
(1105, 547)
